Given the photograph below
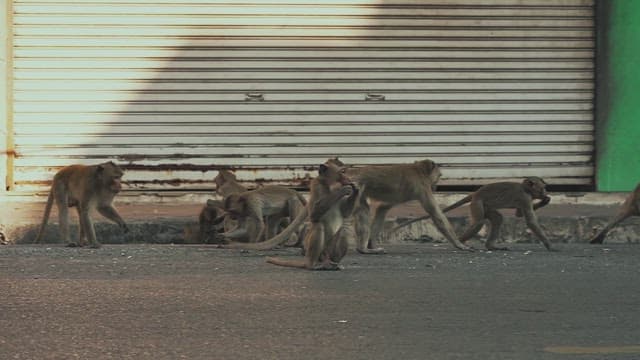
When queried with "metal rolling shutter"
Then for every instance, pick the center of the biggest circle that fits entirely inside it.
(175, 89)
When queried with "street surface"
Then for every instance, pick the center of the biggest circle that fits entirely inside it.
(419, 301)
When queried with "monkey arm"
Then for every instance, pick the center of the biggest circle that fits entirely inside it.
(532, 222)
(543, 202)
(319, 207)
(110, 213)
(347, 206)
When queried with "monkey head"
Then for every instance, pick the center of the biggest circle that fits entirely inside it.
(431, 170)
(335, 176)
(110, 176)
(335, 161)
(213, 212)
(535, 186)
(223, 177)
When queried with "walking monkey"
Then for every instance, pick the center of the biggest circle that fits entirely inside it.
(86, 188)
(331, 200)
(630, 207)
(391, 185)
(502, 195)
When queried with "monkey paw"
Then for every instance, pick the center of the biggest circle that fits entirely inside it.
(597, 240)
(376, 251)
(465, 247)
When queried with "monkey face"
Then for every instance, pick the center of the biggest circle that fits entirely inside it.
(110, 175)
(536, 187)
(334, 175)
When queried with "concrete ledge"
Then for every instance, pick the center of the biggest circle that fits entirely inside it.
(154, 218)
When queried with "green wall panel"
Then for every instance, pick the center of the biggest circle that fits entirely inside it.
(618, 114)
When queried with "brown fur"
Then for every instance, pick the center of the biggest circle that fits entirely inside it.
(331, 202)
(251, 208)
(227, 183)
(630, 207)
(502, 195)
(210, 221)
(392, 185)
(86, 188)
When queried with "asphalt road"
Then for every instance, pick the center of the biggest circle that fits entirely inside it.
(419, 301)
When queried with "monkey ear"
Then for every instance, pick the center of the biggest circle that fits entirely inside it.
(323, 169)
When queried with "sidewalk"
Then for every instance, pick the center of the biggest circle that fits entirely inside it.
(163, 219)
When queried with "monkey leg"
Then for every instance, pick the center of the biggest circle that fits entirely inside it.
(338, 246)
(86, 226)
(599, 237)
(315, 256)
(361, 219)
(495, 220)
(63, 220)
(478, 220)
(441, 222)
(82, 236)
(376, 229)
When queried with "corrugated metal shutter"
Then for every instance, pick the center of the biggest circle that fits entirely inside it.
(490, 89)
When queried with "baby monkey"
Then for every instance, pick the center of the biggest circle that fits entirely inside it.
(502, 195)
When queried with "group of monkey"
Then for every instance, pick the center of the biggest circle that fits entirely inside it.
(336, 212)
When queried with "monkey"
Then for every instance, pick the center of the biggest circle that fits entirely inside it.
(210, 221)
(395, 184)
(251, 208)
(502, 195)
(331, 201)
(227, 183)
(630, 207)
(86, 188)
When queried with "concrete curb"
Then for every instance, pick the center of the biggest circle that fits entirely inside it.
(152, 218)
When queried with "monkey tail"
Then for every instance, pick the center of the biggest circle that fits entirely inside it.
(45, 218)
(455, 205)
(302, 199)
(279, 239)
(300, 264)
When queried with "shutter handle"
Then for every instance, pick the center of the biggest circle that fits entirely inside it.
(253, 97)
(374, 97)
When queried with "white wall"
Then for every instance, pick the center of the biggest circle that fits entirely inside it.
(4, 111)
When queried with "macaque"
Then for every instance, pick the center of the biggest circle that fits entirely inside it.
(259, 212)
(502, 195)
(391, 185)
(85, 188)
(331, 202)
